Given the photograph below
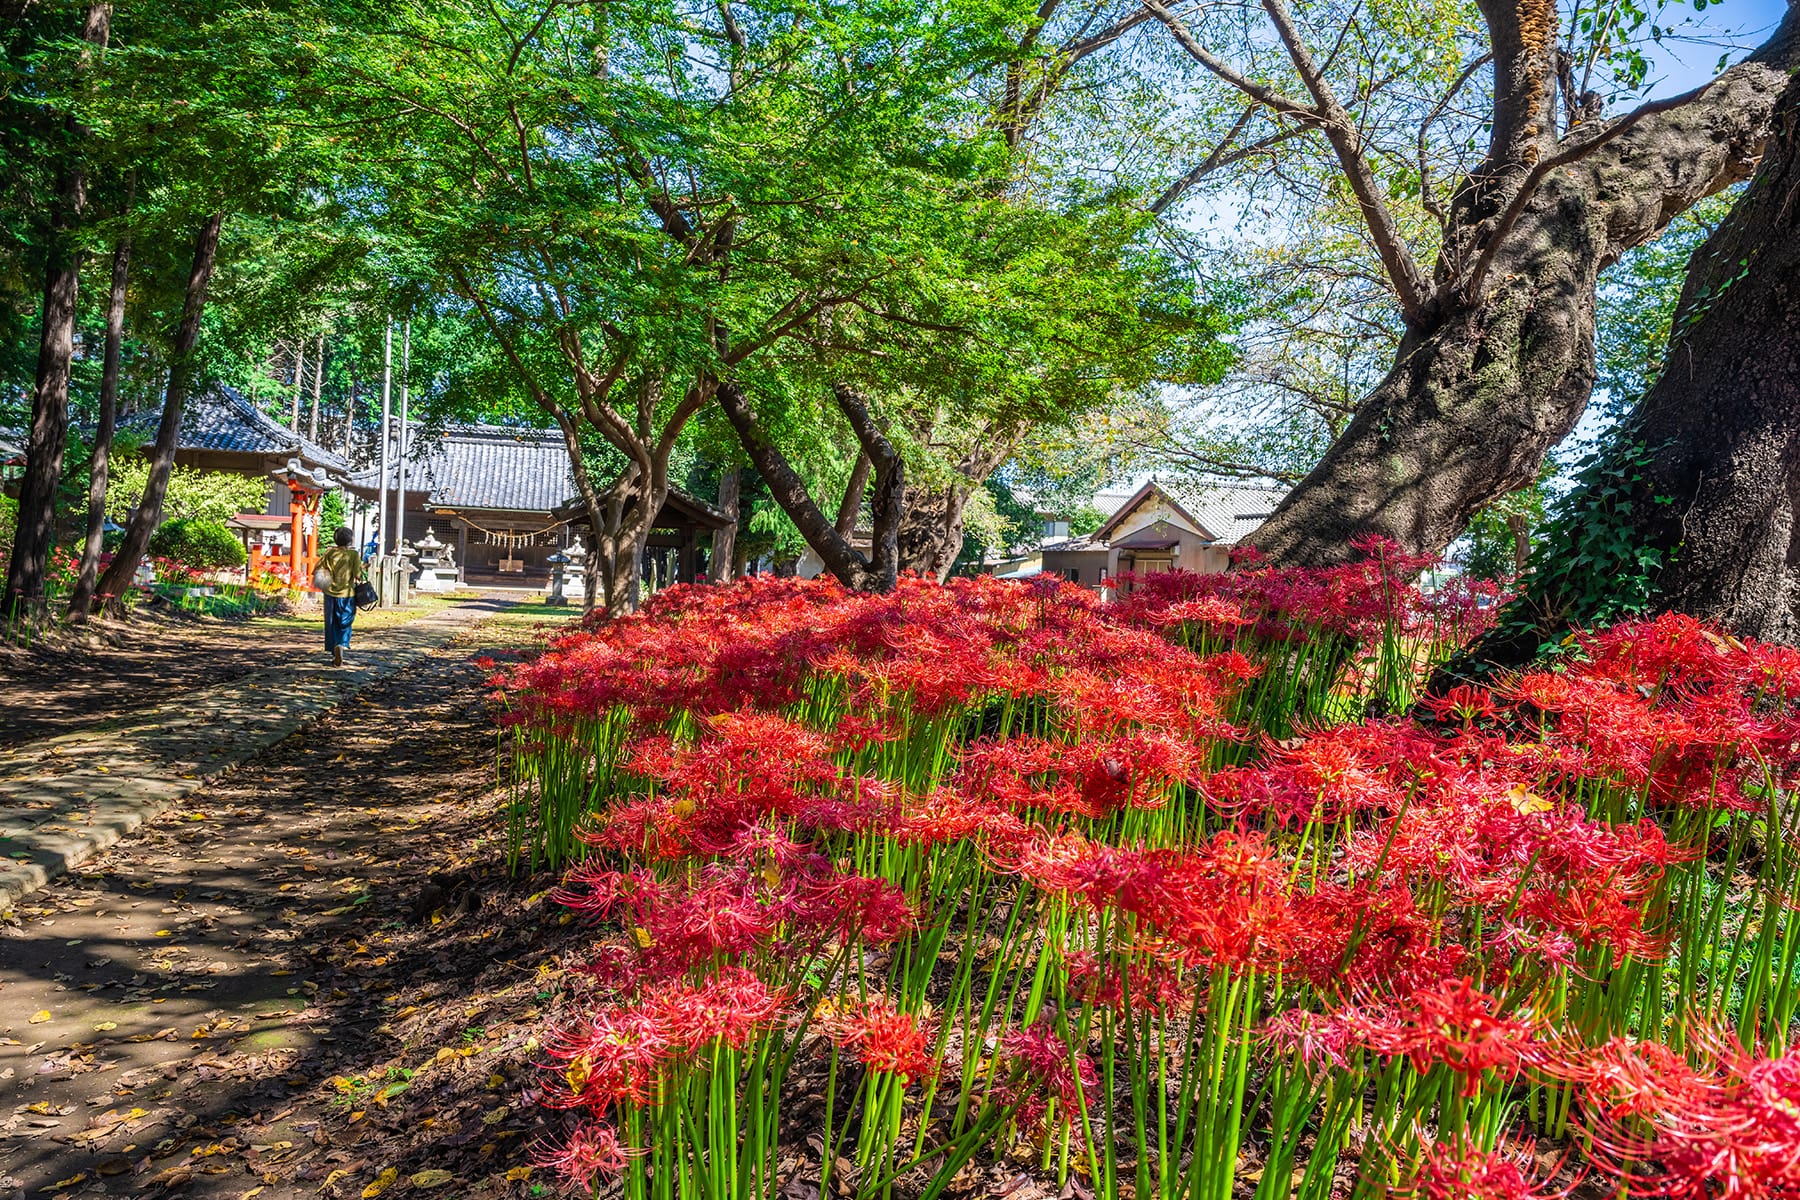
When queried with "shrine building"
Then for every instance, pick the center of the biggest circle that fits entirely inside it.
(499, 498)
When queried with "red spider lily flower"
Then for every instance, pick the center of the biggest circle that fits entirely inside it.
(591, 1153)
(1456, 1168)
(1212, 612)
(1093, 981)
(1049, 1064)
(1454, 1024)
(1733, 1131)
(1321, 1040)
(1462, 705)
(1627, 1078)
(882, 1038)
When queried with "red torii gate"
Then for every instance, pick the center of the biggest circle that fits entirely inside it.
(306, 489)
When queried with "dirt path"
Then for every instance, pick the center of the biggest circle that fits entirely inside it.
(314, 973)
(52, 689)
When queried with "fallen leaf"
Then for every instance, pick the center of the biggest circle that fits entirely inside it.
(40, 1016)
(382, 1183)
(106, 1026)
(70, 1182)
(432, 1178)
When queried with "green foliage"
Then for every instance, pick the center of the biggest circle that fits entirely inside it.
(1492, 546)
(9, 523)
(193, 494)
(198, 543)
(1636, 306)
(1591, 568)
(331, 515)
(1084, 520)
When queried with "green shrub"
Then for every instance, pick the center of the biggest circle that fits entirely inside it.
(202, 545)
(9, 524)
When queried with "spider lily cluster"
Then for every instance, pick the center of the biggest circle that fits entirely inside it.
(891, 892)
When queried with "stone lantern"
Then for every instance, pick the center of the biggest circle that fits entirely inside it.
(558, 561)
(436, 573)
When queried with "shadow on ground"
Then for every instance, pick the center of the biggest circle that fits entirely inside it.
(315, 972)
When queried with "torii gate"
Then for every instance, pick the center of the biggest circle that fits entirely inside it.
(306, 489)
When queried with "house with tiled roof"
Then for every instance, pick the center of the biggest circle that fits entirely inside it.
(1164, 526)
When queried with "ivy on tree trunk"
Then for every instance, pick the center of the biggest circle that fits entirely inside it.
(1691, 504)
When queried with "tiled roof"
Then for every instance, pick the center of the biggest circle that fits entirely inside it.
(223, 418)
(1230, 512)
(486, 466)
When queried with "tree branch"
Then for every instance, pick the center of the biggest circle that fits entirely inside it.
(1409, 282)
(1261, 93)
(1427, 200)
(1218, 159)
(1470, 286)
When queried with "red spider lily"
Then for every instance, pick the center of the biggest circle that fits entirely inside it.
(1048, 1064)
(1463, 705)
(1226, 905)
(592, 1152)
(1453, 1024)
(1146, 980)
(882, 1038)
(1734, 1133)
(948, 814)
(616, 1051)
(1456, 1168)
(1627, 1078)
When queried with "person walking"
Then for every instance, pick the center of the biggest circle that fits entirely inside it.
(340, 570)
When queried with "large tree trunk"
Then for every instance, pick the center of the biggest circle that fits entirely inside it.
(1498, 359)
(148, 514)
(49, 431)
(875, 572)
(49, 413)
(931, 527)
(81, 600)
(1692, 507)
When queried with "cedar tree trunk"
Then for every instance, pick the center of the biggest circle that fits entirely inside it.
(148, 514)
(48, 436)
(49, 432)
(81, 600)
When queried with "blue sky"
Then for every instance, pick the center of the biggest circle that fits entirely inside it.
(1682, 64)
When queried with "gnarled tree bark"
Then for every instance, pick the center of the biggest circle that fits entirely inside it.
(1497, 360)
(931, 525)
(1707, 464)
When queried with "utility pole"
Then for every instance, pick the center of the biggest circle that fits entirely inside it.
(387, 417)
(400, 449)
